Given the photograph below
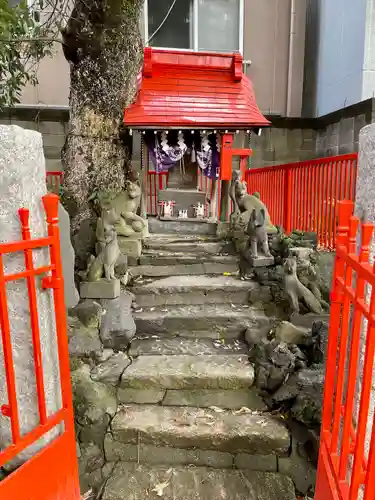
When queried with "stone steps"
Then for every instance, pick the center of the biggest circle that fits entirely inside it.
(194, 290)
(200, 227)
(198, 428)
(205, 268)
(138, 482)
(197, 247)
(210, 321)
(189, 372)
(167, 258)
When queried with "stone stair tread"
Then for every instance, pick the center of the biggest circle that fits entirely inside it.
(214, 321)
(191, 283)
(137, 482)
(180, 237)
(156, 345)
(202, 428)
(155, 252)
(189, 372)
(196, 269)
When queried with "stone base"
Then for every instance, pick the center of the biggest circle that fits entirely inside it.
(261, 261)
(132, 248)
(102, 289)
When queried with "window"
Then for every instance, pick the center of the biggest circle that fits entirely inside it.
(211, 25)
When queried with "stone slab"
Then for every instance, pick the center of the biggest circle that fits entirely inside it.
(189, 372)
(68, 259)
(168, 258)
(135, 482)
(160, 455)
(132, 248)
(117, 326)
(197, 247)
(262, 261)
(102, 289)
(264, 463)
(141, 396)
(23, 184)
(154, 345)
(207, 398)
(181, 227)
(110, 371)
(214, 321)
(184, 269)
(205, 429)
(193, 290)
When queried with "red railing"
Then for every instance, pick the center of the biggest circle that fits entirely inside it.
(347, 448)
(304, 195)
(54, 181)
(30, 481)
(155, 183)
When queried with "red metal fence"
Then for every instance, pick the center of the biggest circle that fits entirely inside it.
(304, 195)
(53, 472)
(347, 451)
(54, 181)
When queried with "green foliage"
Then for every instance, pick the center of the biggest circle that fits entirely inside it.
(23, 42)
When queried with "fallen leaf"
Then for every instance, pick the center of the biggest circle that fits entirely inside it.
(159, 489)
(217, 409)
(87, 495)
(242, 411)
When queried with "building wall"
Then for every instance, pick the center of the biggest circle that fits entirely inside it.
(368, 83)
(266, 44)
(336, 40)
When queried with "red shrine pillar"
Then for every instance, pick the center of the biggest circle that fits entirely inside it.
(226, 161)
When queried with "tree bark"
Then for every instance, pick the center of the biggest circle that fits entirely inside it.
(103, 45)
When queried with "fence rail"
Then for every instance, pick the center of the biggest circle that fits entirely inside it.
(63, 479)
(54, 181)
(304, 195)
(347, 449)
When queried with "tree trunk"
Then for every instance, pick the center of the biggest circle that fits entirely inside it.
(103, 45)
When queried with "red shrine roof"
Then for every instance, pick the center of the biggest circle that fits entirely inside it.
(193, 90)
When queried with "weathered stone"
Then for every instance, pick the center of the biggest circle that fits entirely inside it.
(83, 342)
(67, 258)
(117, 326)
(158, 455)
(131, 247)
(151, 270)
(181, 227)
(307, 320)
(264, 463)
(305, 388)
(92, 457)
(102, 289)
(111, 370)
(141, 396)
(189, 372)
(22, 172)
(299, 469)
(182, 290)
(205, 429)
(94, 433)
(168, 258)
(133, 482)
(291, 334)
(214, 321)
(261, 261)
(236, 399)
(89, 312)
(180, 345)
(92, 400)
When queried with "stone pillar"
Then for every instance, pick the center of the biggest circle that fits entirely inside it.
(365, 208)
(23, 183)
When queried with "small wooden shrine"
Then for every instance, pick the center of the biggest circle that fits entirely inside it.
(189, 107)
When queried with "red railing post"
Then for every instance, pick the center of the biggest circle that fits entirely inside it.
(287, 199)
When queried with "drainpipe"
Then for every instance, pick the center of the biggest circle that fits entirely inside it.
(292, 36)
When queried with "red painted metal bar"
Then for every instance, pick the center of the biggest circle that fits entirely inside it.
(11, 409)
(24, 215)
(19, 246)
(33, 436)
(309, 193)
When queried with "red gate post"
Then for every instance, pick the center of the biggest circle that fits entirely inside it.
(288, 199)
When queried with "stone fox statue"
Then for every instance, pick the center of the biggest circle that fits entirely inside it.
(296, 291)
(257, 232)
